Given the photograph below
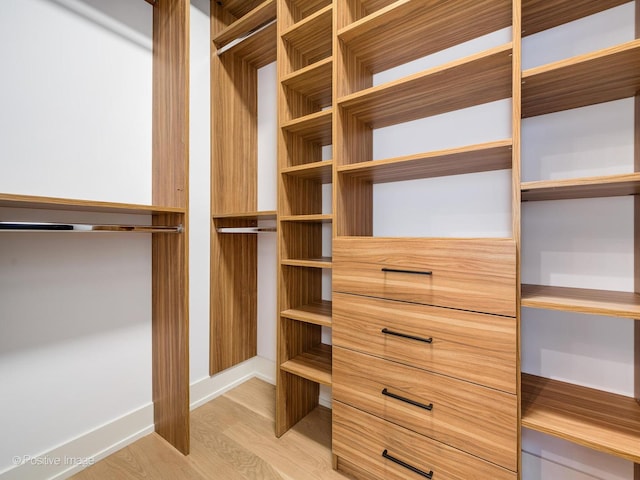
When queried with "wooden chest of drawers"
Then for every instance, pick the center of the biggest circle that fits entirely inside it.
(425, 358)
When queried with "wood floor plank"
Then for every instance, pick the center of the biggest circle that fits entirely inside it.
(255, 395)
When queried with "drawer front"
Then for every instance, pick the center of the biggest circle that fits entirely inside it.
(472, 346)
(363, 439)
(476, 419)
(478, 275)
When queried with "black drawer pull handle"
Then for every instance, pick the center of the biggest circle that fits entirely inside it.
(407, 400)
(398, 270)
(386, 331)
(386, 455)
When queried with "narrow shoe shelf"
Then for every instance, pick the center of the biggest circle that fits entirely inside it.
(588, 187)
(314, 364)
(318, 313)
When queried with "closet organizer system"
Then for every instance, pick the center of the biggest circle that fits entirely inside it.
(424, 364)
(169, 214)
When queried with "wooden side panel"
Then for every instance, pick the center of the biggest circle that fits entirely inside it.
(170, 103)
(170, 333)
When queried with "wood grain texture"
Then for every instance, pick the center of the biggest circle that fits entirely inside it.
(361, 438)
(247, 216)
(456, 161)
(596, 419)
(319, 262)
(408, 30)
(602, 76)
(582, 300)
(307, 41)
(315, 127)
(257, 49)
(313, 364)
(469, 274)
(590, 187)
(297, 10)
(636, 247)
(314, 218)
(475, 347)
(473, 80)
(539, 15)
(313, 82)
(321, 171)
(170, 332)
(260, 15)
(318, 313)
(478, 420)
(170, 136)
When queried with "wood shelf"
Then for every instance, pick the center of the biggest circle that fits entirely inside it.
(321, 171)
(313, 81)
(599, 420)
(314, 365)
(589, 187)
(317, 313)
(602, 76)
(405, 31)
(315, 128)
(582, 300)
(259, 16)
(316, 218)
(311, 36)
(262, 215)
(68, 204)
(539, 15)
(321, 262)
(474, 80)
(256, 50)
(455, 161)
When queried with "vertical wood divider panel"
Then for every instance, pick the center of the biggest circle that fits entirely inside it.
(636, 253)
(170, 299)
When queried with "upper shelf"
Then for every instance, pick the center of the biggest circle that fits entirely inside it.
(539, 15)
(262, 14)
(315, 127)
(590, 187)
(54, 203)
(473, 80)
(261, 215)
(257, 49)
(599, 420)
(470, 159)
(313, 364)
(318, 313)
(321, 171)
(407, 30)
(311, 37)
(313, 82)
(582, 300)
(602, 76)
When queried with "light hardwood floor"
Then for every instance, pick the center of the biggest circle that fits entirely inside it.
(232, 438)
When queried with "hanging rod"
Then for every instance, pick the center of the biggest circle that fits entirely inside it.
(82, 227)
(244, 37)
(246, 229)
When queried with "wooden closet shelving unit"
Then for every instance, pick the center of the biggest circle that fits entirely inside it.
(597, 419)
(305, 95)
(243, 39)
(169, 207)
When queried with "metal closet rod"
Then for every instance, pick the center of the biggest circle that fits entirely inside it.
(246, 229)
(84, 227)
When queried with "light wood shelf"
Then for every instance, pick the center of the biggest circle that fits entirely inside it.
(314, 364)
(596, 419)
(257, 50)
(455, 161)
(262, 215)
(315, 127)
(405, 30)
(311, 37)
(317, 313)
(313, 82)
(596, 77)
(589, 187)
(315, 218)
(56, 203)
(320, 262)
(474, 80)
(539, 15)
(321, 171)
(262, 14)
(582, 300)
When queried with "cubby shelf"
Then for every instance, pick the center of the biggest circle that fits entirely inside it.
(314, 364)
(582, 300)
(589, 187)
(262, 215)
(473, 80)
(259, 16)
(55, 203)
(596, 77)
(320, 262)
(312, 35)
(258, 49)
(318, 313)
(596, 419)
(315, 127)
(316, 218)
(455, 161)
(313, 81)
(539, 15)
(396, 33)
(321, 171)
